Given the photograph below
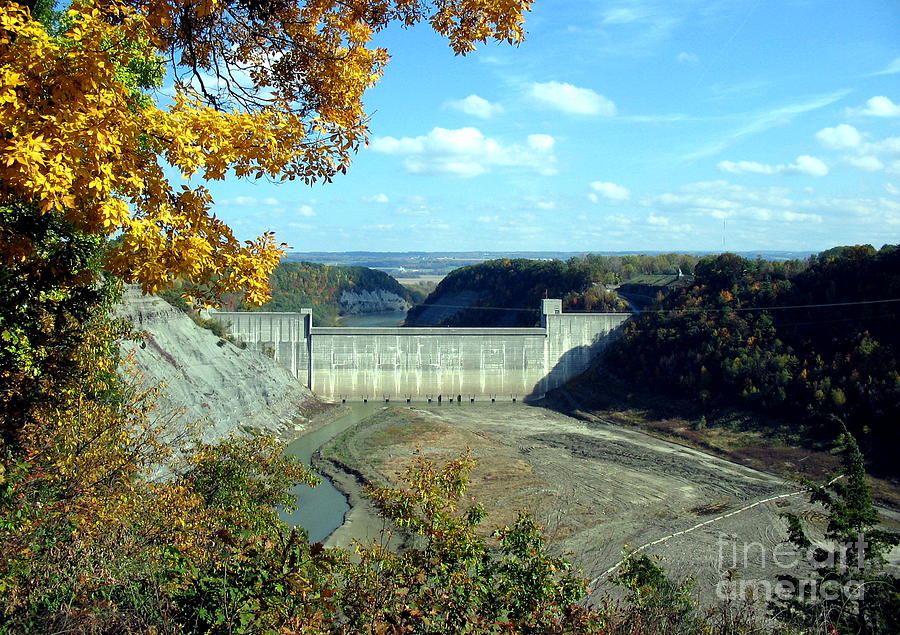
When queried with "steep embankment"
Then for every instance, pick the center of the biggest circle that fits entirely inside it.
(208, 378)
(333, 291)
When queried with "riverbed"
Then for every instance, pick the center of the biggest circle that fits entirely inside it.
(594, 488)
(321, 509)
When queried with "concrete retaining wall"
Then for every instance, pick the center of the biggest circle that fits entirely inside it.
(428, 363)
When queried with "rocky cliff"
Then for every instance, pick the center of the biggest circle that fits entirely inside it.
(210, 379)
(360, 301)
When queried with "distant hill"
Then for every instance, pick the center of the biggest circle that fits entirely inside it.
(334, 291)
(507, 292)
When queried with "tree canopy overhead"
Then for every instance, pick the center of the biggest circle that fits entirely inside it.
(264, 88)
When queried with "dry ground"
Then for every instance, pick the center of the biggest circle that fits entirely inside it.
(593, 486)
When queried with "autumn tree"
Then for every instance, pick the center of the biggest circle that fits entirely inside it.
(263, 89)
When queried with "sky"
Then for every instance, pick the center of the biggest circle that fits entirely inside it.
(621, 125)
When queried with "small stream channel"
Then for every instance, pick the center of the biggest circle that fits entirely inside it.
(321, 509)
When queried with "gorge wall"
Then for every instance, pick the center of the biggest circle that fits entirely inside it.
(208, 379)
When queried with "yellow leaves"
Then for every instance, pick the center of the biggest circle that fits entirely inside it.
(80, 140)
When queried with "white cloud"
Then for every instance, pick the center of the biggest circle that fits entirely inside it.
(804, 164)
(868, 163)
(623, 15)
(890, 69)
(270, 201)
(466, 152)
(381, 197)
(756, 208)
(305, 210)
(610, 190)
(879, 106)
(743, 167)
(654, 219)
(242, 201)
(721, 199)
(891, 145)
(687, 58)
(808, 165)
(476, 106)
(871, 156)
(571, 99)
(765, 120)
(841, 137)
(543, 142)
(795, 217)
(414, 210)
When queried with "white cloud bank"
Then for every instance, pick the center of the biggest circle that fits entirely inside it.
(381, 197)
(804, 164)
(571, 99)
(467, 152)
(870, 156)
(476, 106)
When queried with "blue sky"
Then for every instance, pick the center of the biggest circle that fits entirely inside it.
(620, 125)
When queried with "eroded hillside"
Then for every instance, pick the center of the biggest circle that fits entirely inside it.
(208, 378)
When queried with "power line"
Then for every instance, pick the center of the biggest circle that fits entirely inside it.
(686, 309)
(774, 307)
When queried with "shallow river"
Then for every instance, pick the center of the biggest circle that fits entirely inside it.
(384, 318)
(321, 509)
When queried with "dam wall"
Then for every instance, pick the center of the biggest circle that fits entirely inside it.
(421, 363)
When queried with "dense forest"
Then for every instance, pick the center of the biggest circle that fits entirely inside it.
(518, 285)
(815, 341)
(298, 285)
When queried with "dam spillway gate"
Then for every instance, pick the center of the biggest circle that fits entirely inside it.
(429, 363)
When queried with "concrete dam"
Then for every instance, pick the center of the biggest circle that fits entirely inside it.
(433, 363)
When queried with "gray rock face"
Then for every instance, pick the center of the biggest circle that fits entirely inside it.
(207, 378)
(354, 302)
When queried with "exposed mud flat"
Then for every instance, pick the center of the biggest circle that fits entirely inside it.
(595, 488)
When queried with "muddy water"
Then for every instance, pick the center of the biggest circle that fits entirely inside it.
(382, 318)
(321, 509)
